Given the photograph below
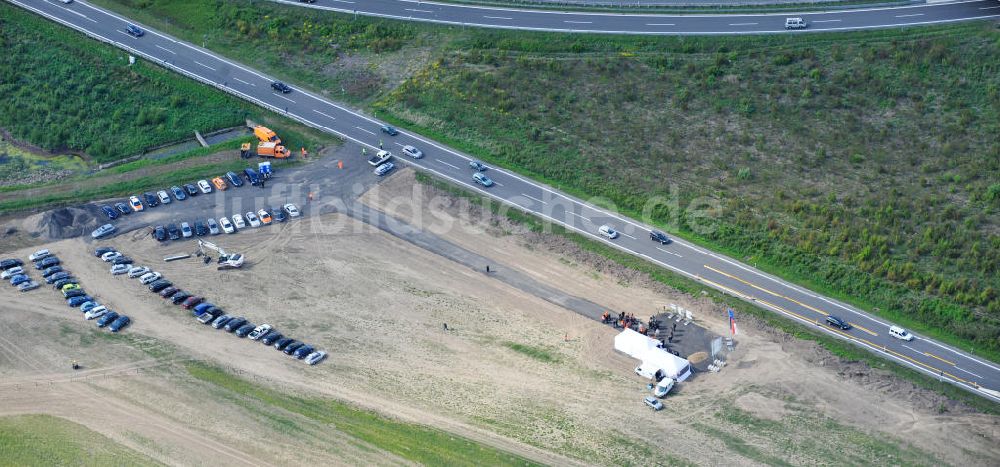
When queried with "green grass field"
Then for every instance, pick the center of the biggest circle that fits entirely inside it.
(43, 440)
(863, 165)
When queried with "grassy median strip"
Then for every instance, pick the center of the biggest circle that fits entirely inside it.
(44, 440)
(417, 443)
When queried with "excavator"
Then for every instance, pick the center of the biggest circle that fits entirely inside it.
(226, 260)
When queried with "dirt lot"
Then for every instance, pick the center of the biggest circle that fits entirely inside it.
(378, 304)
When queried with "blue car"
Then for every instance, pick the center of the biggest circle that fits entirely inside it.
(19, 279)
(119, 323)
(178, 193)
(87, 306)
(110, 211)
(79, 301)
(201, 308)
(107, 318)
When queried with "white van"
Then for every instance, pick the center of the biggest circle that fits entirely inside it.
(795, 23)
(900, 333)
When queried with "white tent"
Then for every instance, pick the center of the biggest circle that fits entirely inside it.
(654, 359)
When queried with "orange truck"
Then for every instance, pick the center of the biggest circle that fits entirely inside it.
(267, 149)
(266, 135)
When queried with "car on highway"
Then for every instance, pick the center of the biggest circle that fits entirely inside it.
(123, 208)
(107, 318)
(389, 130)
(234, 179)
(482, 179)
(110, 212)
(281, 87)
(160, 233)
(96, 312)
(191, 190)
(478, 166)
(220, 184)
(795, 23)
(301, 352)
(186, 231)
(103, 231)
(178, 193)
(204, 186)
(238, 222)
(900, 333)
(659, 237)
(252, 219)
(163, 196)
(234, 324)
(119, 269)
(384, 169)
(412, 152)
(221, 321)
(838, 322)
(291, 210)
(119, 324)
(173, 232)
(244, 330)
(271, 337)
(66, 1)
(315, 357)
(279, 214)
(135, 203)
(149, 277)
(265, 217)
(653, 403)
(136, 271)
(259, 332)
(213, 227)
(608, 231)
(15, 271)
(133, 30)
(200, 229)
(151, 199)
(227, 226)
(252, 176)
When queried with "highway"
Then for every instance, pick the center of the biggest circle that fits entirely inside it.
(623, 23)
(711, 269)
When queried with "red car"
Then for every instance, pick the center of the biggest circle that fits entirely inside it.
(192, 301)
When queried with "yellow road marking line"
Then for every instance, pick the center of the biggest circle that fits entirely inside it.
(939, 358)
(864, 329)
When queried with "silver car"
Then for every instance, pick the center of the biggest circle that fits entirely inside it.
(412, 152)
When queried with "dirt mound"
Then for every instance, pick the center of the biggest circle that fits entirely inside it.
(63, 223)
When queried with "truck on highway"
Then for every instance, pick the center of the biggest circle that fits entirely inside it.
(380, 158)
(268, 149)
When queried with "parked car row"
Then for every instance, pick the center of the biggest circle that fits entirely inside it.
(11, 269)
(137, 203)
(225, 224)
(207, 313)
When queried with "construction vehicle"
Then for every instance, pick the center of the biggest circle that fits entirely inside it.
(266, 135)
(226, 260)
(245, 151)
(273, 150)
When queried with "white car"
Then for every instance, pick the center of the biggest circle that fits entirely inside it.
(213, 227)
(900, 333)
(315, 357)
(110, 256)
(39, 255)
(412, 152)
(292, 210)
(384, 168)
(96, 312)
(252, 219)
(259, 331)
(204, 186)
(227, 226)
(149, 278)
(164, 196)
(137, 271)
(608, 231)
(238, 222)
(186, 230)
(119, 269)
(11, 272)
(66, 1)
(379, 158)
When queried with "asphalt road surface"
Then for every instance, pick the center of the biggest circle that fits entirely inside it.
(620, 23)
(712, 270)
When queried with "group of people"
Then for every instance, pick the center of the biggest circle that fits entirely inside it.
(629, 321)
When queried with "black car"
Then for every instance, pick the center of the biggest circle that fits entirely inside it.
(134, 30)
(659, 237)
(123, 209)
(169, 291)
(235, 324)
(179, 297)
(234, 179)
(160, 233)
(107, 319)
(389, 130)
(282, 343)
(301, 352)
(101, 250)
(110, 212)
(278, 214)
(271, 338)
(151, 199)
(74, 293)
(47, 263)
(293, 347)
(159, 285)
(57, 276)
(200, 229)
(58, 285)
(244, 330)
(122, 260)
(10, 263)
(191, 190)
(51, 271)
(838, 323)
(281, 87)
(173, 232)
(252, 176)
